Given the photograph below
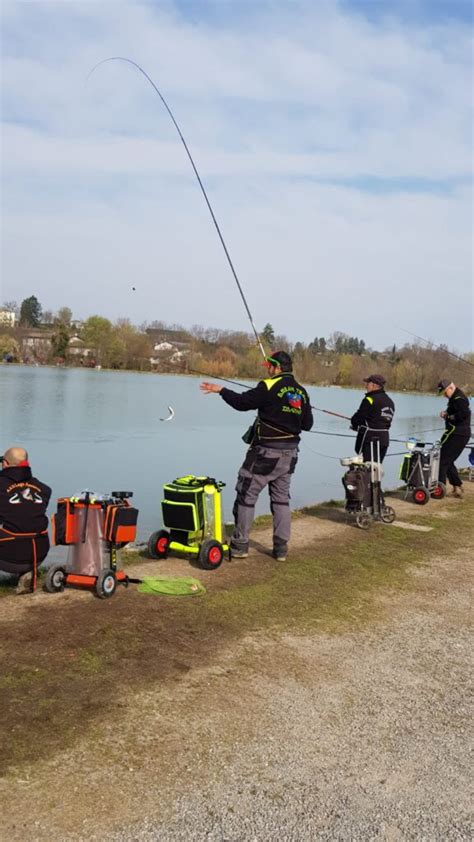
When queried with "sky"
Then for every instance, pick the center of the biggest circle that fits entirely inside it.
(333, 137)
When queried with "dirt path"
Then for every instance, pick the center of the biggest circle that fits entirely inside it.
(288, 734)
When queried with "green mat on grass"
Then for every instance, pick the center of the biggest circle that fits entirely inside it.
(170, 586)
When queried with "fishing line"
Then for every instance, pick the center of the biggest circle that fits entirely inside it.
(431, 430)
(348, 436)
(440, 347)
(317, 452)
(235, 383)
(324, 433)
(145, 74)
(216, 377)
(330, 412)
(326, 411)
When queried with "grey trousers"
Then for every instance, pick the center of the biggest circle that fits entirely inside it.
(264, 466)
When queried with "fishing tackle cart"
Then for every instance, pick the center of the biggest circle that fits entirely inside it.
(420, 471)
(365, 501)
(192, 513)
(94, 527)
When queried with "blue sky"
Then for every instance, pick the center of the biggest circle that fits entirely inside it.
(334, 139)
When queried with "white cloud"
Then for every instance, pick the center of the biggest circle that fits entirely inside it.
(281, 113)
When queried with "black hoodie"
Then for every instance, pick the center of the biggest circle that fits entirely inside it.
(375, 412)
(458, 415)
(23, 503)
(283, 407)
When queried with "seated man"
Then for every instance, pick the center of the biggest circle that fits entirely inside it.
(24, 541)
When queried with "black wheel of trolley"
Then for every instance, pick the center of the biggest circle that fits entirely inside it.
(387, 514)
(363, 520)
(439, 491)
(55, 579)
(159, 544)
(420, 496)
(106, 584)
(211, 555)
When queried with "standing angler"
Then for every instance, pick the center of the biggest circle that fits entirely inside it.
(283, 412)
(373, 418)
(457, 419)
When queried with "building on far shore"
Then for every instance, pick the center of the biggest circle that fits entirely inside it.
(7, 318)
(35, 343)
(77, 351)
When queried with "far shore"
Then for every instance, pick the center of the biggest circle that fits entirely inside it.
(255, 379)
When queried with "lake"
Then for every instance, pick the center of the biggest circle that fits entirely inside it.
(101, 430)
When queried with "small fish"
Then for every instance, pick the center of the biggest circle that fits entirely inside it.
(170, 416)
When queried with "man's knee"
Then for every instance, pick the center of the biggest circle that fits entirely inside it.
(279, 506)
(247, 491)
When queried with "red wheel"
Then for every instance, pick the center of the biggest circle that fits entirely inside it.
(420, 496)
(214, 555)
(211, 555)
(159, 543)
(439, 491)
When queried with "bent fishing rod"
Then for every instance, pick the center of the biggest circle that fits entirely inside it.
(440, 347)
(236, 383)
(226, 251)
(317, 408)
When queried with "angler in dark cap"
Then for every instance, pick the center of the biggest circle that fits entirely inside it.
(283, 412)
(457, 419)
(373, 418)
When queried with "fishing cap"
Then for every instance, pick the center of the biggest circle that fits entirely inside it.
(281, 359)
(443, 384)
(375, 378)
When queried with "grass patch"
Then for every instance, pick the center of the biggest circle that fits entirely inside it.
(21, 678)
(89, 653)
(327, 587)
(89, 661)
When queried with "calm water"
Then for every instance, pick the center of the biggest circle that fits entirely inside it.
(101, 431)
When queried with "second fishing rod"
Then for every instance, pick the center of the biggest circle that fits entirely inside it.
(245, 386)
(316, 408)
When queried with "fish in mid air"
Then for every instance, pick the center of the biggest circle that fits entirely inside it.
(170, 416)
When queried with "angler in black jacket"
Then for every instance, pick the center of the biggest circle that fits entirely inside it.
(24, 541)
(283, 412)
(457, 419)
(373, 418)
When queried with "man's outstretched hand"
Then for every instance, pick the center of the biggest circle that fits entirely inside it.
(208, 388)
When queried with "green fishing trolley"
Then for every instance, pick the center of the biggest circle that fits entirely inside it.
(192, 514)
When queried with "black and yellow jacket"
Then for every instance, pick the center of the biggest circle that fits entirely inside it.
(283, 410)
(458, 415)
(375, 412)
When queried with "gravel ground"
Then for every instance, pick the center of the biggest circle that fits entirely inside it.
(363, 736)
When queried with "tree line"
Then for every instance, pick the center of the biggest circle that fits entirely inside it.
(339, 359)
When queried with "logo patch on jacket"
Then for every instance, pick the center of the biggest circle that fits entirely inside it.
(28, 493)
(294, 400)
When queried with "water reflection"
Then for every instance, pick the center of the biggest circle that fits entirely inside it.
(100, 430)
